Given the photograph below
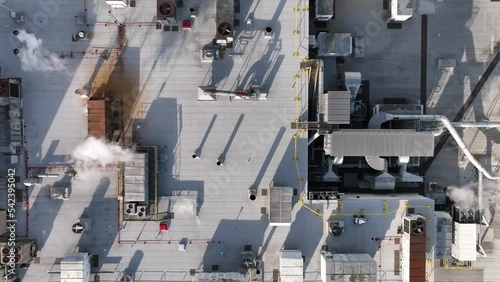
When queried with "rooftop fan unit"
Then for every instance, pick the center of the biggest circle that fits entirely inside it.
(165, 9)
(418, 228)
(142, 211)
(225, 29)
(336, 228)
(209, 55)
(130, 209)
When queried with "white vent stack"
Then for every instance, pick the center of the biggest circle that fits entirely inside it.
(404, 175)
(252, 194)
(330, 176)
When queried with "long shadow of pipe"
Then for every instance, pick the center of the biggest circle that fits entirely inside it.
(200, 148)
(134, 263)
(269, 157)
(231, 138)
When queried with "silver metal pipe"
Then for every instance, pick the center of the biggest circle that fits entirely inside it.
(446, 122)
(314, 137)
(476, 124)
(480, 192)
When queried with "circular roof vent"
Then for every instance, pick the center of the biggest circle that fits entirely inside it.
(77, 228)
(225, 28)
(165, 9)
(247, 263)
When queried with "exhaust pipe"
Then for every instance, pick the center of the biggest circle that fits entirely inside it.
(252, 194)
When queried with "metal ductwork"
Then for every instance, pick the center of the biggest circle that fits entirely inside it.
(446, 122)
(378, 119)
(330, 176)
(383, 181)
(376, 122)
(404, 175)
(314, 137)
(376, 163)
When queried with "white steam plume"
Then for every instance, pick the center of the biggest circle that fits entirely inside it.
(464, 197)
(36, 58)
(96, 152)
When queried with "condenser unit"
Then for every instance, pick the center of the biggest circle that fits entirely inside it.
(130, 208)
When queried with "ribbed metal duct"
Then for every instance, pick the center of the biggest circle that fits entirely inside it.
(376, 163)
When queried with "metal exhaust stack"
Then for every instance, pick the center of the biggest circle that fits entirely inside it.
(252, 194)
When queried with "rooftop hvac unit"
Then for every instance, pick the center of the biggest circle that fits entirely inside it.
(142, 211)
(336, 228)
(209, 55)
(165, 9)
(418, 228)
(6, 255)
(130, 209)
(225, 29)
(414, 225)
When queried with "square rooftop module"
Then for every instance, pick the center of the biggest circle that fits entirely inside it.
(163, 71)
(92, 201)
(379, 236)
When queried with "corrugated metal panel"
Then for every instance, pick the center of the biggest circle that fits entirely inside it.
(99, 118)
(383, 142)
(291, 266)
(135, 181)
(280, 205)
(337, 107)
(464, 243)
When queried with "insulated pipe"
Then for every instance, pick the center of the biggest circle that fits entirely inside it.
(480, 193)
(314, 137)
(476, 124)
(446, 122)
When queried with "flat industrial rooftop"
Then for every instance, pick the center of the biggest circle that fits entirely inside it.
(164, 70)
(466, 31)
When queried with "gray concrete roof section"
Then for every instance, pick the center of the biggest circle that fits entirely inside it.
(165, 68)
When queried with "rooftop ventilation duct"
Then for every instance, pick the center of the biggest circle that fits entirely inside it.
(383, 181)
(330, 176)
(376, 122)
(404, 175)
(165, 9)
(378, 119)
(377, 163)
(446, 122)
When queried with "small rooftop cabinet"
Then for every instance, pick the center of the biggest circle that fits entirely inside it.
(118, 3)
(324, 10)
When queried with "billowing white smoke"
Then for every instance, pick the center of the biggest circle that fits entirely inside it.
(96, 152)
(464, 197)
(36, 58)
